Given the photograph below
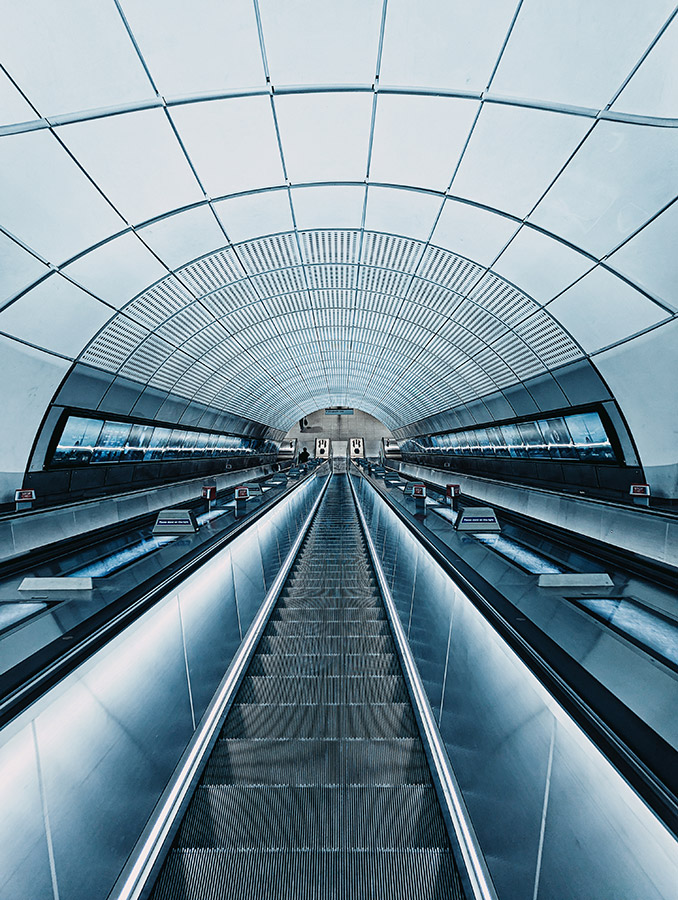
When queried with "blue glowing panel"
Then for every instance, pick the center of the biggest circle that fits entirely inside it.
(526, 559)
(110, 564)
(640, 624)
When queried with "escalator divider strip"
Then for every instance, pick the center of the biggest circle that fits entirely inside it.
(474, 871)
(146, 858)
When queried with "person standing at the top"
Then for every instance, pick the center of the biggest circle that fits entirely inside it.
(304, 456)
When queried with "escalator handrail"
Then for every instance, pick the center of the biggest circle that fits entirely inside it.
(472, 865)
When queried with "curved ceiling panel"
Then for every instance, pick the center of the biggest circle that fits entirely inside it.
(270, 208)
(306, 319)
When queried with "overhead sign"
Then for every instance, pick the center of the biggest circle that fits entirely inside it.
(477, 518)
(24, 496)
(175, 521)
(338, 412)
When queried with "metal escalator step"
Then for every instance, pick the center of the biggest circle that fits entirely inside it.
(280, 817)
(201, 874)
(324, 664)
(328, 614)
(272, 817)
(390, 720)
(392, 816)
(311, 628)
(379, 643)
(319, 762)
(241, 761)
(318, 600)
(327, 689)
(391, 762)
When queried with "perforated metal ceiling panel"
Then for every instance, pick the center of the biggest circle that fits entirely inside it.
(363, 341)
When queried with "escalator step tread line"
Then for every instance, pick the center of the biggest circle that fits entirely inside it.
(318, 786)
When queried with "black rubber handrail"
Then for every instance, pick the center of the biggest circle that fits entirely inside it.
(645, 759)
(24, 683)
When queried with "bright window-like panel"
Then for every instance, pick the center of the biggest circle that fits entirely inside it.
(472, 232)
(197, 47)
(514, 154)
(137, 161)
(601, 309)
(232, 143)
(325, 136)
(78, 440)
(321, 43)
(576, 52)
(71, 55)
(418, 139)
(118, 270)
(621, 176)
(438, 43)
(47, 201)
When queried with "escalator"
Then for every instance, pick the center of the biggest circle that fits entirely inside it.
(318, 786)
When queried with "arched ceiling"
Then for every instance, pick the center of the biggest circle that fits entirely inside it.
(271, 207)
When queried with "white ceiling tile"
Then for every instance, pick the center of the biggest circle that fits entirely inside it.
(255, 215)
(232, 143)
(118, 270)
(198, 47)
(321, 43)
(46, 201)
(325, 137)
(601, 309)
(514, 154)
(185, 236)
(472, 232)
(56, 315)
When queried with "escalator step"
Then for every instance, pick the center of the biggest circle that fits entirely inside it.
(392, 720)
(330, 629)
(328, 614)
(324, 664)
(328, 817)
(330, 689)
(306, 762)
(326, 644)
(202, 874)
